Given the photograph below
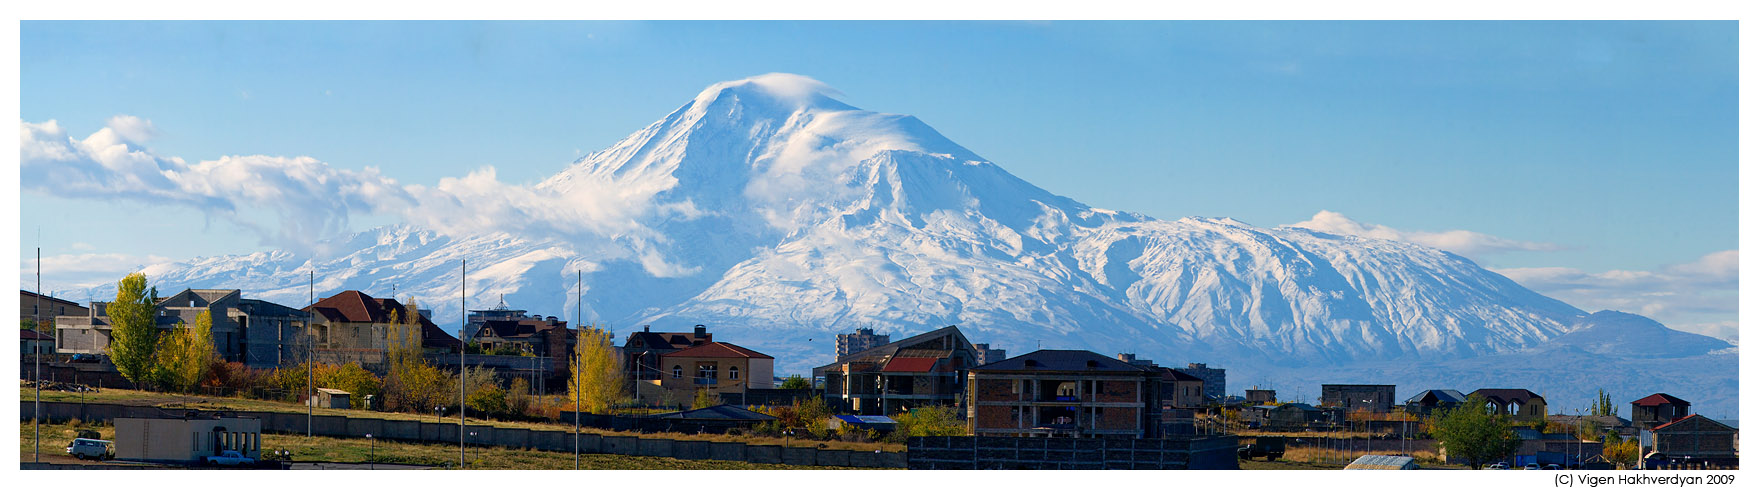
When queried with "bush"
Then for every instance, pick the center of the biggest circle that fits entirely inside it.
(927, 421)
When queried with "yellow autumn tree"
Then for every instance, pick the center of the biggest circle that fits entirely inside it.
(185, 354)
(597, 372)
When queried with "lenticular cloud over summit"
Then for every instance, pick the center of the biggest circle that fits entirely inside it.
(779, 216)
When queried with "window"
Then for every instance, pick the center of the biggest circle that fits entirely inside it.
(677, 372)
(733, 372)
(705, 373)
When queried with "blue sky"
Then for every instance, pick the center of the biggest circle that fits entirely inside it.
(1593, 161)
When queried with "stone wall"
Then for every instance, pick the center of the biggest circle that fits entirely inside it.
(1033, 453)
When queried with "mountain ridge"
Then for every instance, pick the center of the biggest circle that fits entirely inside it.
(780, 216)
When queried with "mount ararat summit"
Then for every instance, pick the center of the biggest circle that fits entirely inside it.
(780, 216)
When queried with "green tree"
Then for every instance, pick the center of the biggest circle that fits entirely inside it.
(407, 374)
(1475, 433)
(926, 421)
(1624, 453)
(134, 338)
(597, 372)
(1603, 405)
(795, 382)
(352, 378)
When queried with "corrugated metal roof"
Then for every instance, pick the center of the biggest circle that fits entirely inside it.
(1382, 462)
(866, 419)
(718, 412)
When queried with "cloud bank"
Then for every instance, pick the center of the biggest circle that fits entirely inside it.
(1470, 244)
(1697, 296)
(308, 201)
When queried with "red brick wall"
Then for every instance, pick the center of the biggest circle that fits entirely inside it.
(1117, 391)
(996, 390)
(1112, 418)
(994, 417)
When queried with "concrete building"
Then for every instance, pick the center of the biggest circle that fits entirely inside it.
(34, 342)
(257, 333)
(186, 441)
(43, 309)
(716, 367)
(862, 339)
(1523, 405)
(1658, 409)
(986, 354)
(921, 370)
(330, 398)
(1260, 397)
(1063, 393)
(1180, 390)
(1352, 398)
(1215, 380)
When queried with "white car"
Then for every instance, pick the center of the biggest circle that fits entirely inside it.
(83, 448)
(230, 458)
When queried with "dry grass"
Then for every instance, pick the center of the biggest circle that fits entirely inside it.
(55, 438)
(173, 400)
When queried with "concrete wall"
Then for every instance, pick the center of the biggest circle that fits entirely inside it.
(447, 433)
(985, 453)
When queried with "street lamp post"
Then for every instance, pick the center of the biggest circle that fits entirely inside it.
(372, 453)
(439, 412)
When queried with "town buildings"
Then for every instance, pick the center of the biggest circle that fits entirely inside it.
(642, 350)
(1523, 405)
(987, 354)
(1063, 393)
(1353, 398)
(918, 371)
(187, 440)
(862, 339)
(1695, 439)
(257, 333)
(1431, 402)
(1215, 380)
(34, 342)
(1658, 409)
(42, 309)
(1260, 397)
(503, 329)
(353, 327)
(718, 368)
(1180, 390)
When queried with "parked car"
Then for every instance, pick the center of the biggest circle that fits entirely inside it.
(1500, 465)
(230, 458)
(1553, 466)
(1531, 466)
(84, 448)
(1268, 447)
(84, 358)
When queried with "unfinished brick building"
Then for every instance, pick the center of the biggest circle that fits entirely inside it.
(1063, 393)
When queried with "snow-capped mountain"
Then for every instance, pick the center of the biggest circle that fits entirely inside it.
(781, 216)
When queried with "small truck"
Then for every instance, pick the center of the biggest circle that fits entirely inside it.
(1268, 447)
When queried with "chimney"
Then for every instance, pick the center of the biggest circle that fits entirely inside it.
(644, 328)
(701, 330)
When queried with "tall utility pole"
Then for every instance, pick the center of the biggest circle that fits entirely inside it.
(463, 315)
(37, 361)
(311, 298)
(579, 327)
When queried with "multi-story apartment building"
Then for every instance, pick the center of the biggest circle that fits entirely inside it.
(922, 370)
(1352, 398)
(862, 339)
(1215, 380)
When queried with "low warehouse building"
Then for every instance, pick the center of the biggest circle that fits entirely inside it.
(186, 440)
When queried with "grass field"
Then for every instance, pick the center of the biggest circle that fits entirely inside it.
(173, 400)
(349, 450)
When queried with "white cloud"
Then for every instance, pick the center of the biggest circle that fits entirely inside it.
(308, 200)
(1697, 296)
(1470, 244)
(83, 246)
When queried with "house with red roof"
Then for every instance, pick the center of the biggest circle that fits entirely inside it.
(1658, 409)
(715, 367)
(918, 371)
(352, 326)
